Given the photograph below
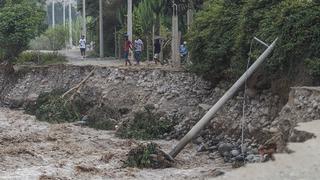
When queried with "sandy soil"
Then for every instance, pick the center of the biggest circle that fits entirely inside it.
(30, 149)
(303, 164)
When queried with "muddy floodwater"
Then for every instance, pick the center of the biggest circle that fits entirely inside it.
(30, 149)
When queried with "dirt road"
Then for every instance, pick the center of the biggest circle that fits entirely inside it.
(303, 164)
(30, 149)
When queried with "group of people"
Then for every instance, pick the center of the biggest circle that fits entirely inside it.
(137, 47)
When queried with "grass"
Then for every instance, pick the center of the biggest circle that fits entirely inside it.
(39, 58)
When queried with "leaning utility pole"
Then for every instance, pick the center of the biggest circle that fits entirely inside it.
(53, 15)
(84, 25)
(70, 24)
(175, 37)
(208, 116)
(101, 29)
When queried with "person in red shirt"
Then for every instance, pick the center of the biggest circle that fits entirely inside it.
(127, 46)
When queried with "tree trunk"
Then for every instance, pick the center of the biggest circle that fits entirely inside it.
(157, 25)
(119, 47)
(148, 55)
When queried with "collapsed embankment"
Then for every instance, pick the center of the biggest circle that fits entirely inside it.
(179, 96)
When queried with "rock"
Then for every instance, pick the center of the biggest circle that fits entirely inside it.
(239, 158)
(33, 97)
(214, 155)
(224, 148)
(235, 153)
(253, 158)
(198, 140)
(205, 107)
(202, 147)
(253, 151)
(212, 148)
(273, 130)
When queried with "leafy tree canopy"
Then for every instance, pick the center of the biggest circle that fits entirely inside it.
(20, 21)
(222, 33)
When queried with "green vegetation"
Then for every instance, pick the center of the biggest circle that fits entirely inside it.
(20, 21)
(38, 58)
(221, 36)
(313, 66)
(103, 117)
(147, 156)
(51, 39)
(50, 107)
(145, 125)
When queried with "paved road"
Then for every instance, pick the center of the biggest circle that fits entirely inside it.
(74, 58)
(303, 164)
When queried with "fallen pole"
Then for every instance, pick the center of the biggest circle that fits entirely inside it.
(229, 94)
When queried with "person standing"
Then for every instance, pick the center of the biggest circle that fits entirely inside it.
(157, 50)
(183, 52)
(82, 45)
(138, 47)
(126, 47)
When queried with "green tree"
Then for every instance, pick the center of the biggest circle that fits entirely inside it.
(222, 33)
(212, 38)
(20, 21)
(143, 18)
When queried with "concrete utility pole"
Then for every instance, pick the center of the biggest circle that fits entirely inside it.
(175, 37)
(190, 15)
(53, 15)
(64, 13)
(229, 94)
(129, 24)
(70, 24)
(101, 29)
(84, 25)
(129, 20)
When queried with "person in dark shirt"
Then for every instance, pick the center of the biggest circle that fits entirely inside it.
(157, 50)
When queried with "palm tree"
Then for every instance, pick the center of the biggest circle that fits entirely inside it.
(143, 22)
(157, 8)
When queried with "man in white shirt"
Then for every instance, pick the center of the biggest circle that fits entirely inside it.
(82, 45)
(138, 47)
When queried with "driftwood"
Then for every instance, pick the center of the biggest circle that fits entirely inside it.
(78, 86)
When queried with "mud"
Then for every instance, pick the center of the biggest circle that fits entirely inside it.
(30, 149)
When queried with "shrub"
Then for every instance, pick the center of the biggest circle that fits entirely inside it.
(51, 39)
(221, 35)
(148, 156)
(145, 125)
(39, 58)
(313, 66)
(103, 117)
(50, 107)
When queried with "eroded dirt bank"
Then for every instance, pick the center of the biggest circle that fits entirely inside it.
(33, 148)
